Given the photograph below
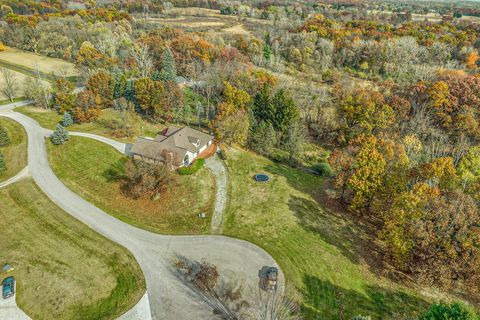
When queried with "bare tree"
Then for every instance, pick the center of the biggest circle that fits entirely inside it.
(37, 89)
(143, 59)
(273, 306)
(10, 86)
(226, 298)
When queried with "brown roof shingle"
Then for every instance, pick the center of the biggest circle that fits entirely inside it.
(175, 140)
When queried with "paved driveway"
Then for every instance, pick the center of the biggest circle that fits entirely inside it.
(9, 309)
(237, 260)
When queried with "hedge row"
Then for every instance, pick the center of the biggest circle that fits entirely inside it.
(193, 168)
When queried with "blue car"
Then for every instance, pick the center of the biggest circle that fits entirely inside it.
(8, 287)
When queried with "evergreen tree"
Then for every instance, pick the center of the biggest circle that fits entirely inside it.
(157, 75)
(169, 69)
(67, 119)
(267, 52)
(4, 139)
(267, 47)
(60, 135)
(294, 140)
(263, 109)
(280, 110)
(119, 84)
(3, 165)
(262, 138)
(129, 93)
(286, 112)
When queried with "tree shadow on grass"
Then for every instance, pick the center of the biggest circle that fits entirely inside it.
(332, 227)
(325, 300)
(356, 239)
(115, 172)
(352, 241)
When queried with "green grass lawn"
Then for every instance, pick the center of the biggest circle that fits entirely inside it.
(90, 168)
(7, 101)
(319, 251)
(15, 153)
(49, 119)
(64, 270)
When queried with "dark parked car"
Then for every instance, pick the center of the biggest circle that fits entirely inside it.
(270, 279)
(8, 287)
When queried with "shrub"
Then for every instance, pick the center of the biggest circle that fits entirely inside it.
(59, 136)
(143, 179)
(4, 139)
(67, 119)
(323, 169)
(194, 167)
(455, 311)
(3, 165)
(279, 156)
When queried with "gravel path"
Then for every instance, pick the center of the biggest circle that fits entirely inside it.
(238, 261)
(221, 180)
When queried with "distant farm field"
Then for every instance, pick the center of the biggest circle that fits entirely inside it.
(204, 20)
(38, 62)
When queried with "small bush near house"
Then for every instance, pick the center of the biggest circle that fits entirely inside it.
(196, 165)
(143, 179)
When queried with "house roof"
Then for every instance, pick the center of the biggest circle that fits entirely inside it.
(175, 140)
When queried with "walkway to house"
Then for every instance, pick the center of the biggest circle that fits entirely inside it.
(221, 178)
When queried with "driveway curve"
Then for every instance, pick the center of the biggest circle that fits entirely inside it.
(238, 261)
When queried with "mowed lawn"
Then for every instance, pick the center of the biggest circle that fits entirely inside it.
(92, 169)
(64, 270)
(318, 250)
(102, 126)
(16, 153)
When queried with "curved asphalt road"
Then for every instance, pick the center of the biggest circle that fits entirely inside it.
(238, 261)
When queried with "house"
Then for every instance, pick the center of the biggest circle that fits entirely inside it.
(183, 82)
(175, 147)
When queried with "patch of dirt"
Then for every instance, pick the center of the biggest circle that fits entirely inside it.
(237, 29)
